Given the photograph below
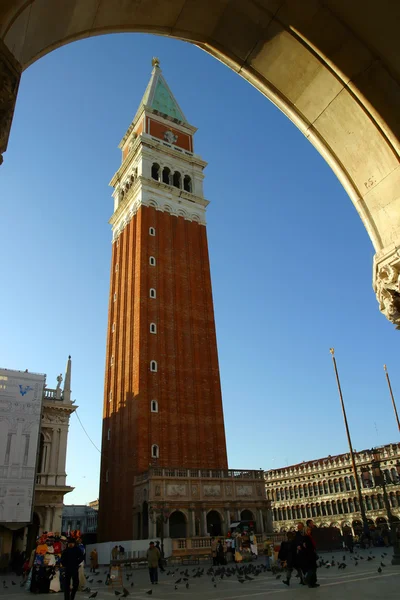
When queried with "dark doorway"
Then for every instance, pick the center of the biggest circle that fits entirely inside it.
(214, 524)
(177, 525)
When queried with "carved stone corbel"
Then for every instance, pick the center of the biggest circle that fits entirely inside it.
(10, 75)
(387, 286)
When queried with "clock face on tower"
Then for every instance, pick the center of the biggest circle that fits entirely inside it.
(170, 137)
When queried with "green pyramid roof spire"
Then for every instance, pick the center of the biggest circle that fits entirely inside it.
(159, 97)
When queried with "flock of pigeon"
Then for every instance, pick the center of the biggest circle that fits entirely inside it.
(216, 574)
(342, 564)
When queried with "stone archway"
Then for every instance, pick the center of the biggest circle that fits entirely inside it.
(177, 525)
(320, 61)
(214, 523)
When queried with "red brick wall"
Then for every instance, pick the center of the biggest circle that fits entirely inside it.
(189, 427)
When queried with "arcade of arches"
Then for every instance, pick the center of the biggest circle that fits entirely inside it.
(325, 491)
(332, 66)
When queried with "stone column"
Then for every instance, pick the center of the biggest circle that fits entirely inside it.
(152, 530)
(166, 529)
(62, 454)
(192, 524)
(270, 527)
(260, 521)
(203, 522)
(227, 519)
(10, 74)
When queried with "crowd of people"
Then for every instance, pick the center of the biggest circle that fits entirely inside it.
(299, 553)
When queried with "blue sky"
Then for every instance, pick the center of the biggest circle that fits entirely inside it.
(291, 261)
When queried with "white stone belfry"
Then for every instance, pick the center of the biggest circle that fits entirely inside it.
(51, 477)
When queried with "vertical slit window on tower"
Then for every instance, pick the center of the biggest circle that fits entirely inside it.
(109, 434)
(115, 296)
(154, 451)
(112, 361)
(153, 366)
(153, 328)
(107, 476)
(116, 268)
(166, 175)
(152, 261)
(177, 180)
(154, 406)
(152, 293)
(113, 327)
(152, 231)
(110, 397)
(187, 184)
(155, 171)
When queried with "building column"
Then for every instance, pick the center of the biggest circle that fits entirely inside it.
(62, 454)
(203, 522)
(10, 70)
(152, 529)
(270, 527)
(47, 518)
(192, 523)
(227, 519)
(166, 529)
(260, 520)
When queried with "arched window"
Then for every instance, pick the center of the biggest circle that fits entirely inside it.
(353, 483)
(340, 508)
(152, 293)
(187, 184)
(336, 484)
(380, 501)
(152, 261)
(326, 489)
(347, 483)
(320, 488)
(308, 510)
(328, 508)
(154, 406)
(152, 231)
(154, 451)
(155, 171)
(315, 488)
(153, 328)
(177, 180)
(368, 502)
(330, 486)
(166, 175)
(153, 366)
(305, 490)
(300, 491)
(341, 484)
(334, 509)
(278, 494)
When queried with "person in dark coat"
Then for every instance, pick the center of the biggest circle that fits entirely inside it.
(290, 554)
(309, 560)
(71, 558)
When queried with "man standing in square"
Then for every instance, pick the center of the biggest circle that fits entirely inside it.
(153, 556)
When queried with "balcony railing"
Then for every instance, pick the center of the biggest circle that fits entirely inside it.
(199, 474)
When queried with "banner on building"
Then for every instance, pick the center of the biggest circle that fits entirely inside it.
(21, 395)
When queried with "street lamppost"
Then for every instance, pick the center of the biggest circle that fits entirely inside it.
(380, 480)
(353, 462)
(391, 395)
(160, 514)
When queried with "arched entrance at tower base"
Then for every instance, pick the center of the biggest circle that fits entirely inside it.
(177, 525)
(214, 523)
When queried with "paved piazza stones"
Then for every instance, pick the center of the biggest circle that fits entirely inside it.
(355, 582)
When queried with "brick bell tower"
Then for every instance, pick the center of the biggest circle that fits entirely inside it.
(162, 399)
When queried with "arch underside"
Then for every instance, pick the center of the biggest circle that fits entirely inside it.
(332, 66)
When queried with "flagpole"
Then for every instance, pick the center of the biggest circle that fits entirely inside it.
(353, 462)
(391, 395)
